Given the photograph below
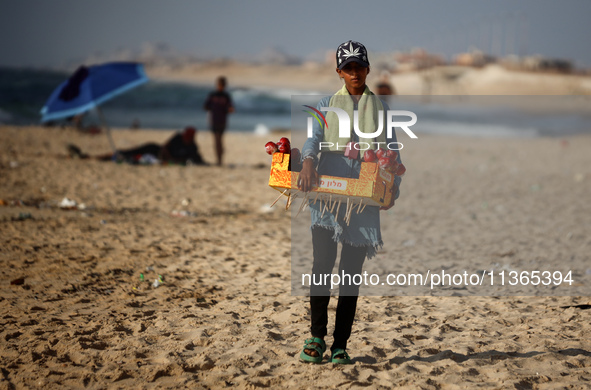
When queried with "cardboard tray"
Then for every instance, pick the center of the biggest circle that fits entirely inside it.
(373, 188)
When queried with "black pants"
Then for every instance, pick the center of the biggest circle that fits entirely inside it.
(325, 254)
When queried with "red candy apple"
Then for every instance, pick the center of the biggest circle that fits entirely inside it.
(295, 155)
(391, 154)
(369, 156)
(284, 148)
(401, 169)
(270, 147)
(284, 140)
(394, 165)
(381, 153)
(384, 163)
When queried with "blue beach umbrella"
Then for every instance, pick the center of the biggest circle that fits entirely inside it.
(90, 86)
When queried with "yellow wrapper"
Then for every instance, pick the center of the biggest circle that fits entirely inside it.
(373, 188)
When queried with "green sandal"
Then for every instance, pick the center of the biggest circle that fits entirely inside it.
(342, 360)
(308, 344)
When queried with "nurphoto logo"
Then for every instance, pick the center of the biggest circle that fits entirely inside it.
(345, 126)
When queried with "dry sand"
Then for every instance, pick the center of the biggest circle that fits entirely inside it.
(224, 316)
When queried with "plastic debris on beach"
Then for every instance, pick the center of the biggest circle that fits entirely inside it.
(68, 204)
(158, 282)
(182, 213)
(145, 279)
(148, 159)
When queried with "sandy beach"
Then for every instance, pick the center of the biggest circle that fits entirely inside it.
(77, 314)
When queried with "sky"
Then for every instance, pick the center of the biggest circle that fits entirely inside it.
(41, 33)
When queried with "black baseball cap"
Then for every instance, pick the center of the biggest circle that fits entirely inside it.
(351, 51)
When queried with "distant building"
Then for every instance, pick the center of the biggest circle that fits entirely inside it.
(475, 58)
(538, 64)
(416, 59)
(553, 65)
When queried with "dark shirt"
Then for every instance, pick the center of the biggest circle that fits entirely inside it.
(182, 152)
(219, 104)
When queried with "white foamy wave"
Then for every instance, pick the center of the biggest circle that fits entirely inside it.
(266, 99)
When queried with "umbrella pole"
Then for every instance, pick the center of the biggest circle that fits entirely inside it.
(108, 130)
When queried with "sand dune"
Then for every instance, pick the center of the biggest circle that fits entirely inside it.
(444, 80)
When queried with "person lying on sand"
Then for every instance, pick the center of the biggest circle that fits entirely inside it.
(179, 149)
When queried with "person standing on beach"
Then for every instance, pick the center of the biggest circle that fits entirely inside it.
(361, 238)
(219, 105)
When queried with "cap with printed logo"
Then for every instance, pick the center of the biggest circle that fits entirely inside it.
(351, 51)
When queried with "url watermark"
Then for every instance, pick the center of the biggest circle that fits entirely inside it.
(443, 279)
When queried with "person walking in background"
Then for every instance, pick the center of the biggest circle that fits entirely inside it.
(219, 104)
(384, 87)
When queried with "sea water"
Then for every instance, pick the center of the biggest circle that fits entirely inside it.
(173, 105)
(153, 105)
